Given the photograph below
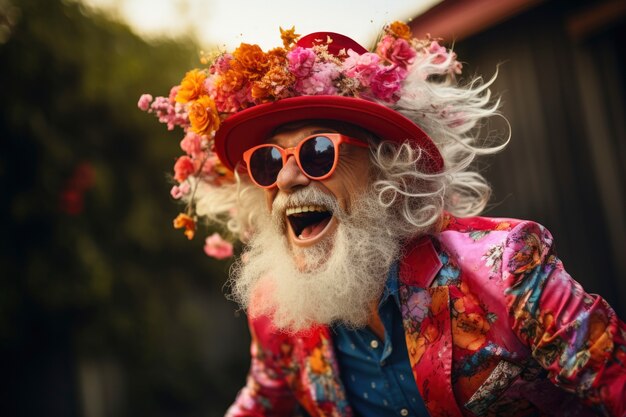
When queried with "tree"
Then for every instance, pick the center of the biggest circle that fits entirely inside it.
(92, 271)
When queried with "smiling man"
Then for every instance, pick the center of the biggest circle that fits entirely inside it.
(370, 288)
(330, 232)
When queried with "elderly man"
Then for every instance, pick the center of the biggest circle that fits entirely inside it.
(369, 288)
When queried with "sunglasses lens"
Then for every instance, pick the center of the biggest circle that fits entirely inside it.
(317, 156)
(265, 164)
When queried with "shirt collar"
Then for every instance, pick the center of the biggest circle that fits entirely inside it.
(391, 285)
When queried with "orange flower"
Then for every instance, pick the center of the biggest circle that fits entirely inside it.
(416, 347)
(203, 116)
(183, 220)
(231, 81)
(469, 299)
(529, 256)
(288, 36)
(503, 226)
(277, 57)
(250, 60)
(599, 338)
(274, 84)
(469, 330)
(224, 175)
(191, 87)
(400, 30)
(261, 91)
(318, 363)
(440, 300)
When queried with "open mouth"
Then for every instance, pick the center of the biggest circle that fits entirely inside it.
(308, 222)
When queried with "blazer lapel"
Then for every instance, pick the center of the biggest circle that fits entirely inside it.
(320, 389)
(427, 327)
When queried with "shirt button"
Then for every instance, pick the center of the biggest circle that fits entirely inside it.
(404, 412)
(374, 344)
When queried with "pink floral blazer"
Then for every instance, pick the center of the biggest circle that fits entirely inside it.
(493, 324)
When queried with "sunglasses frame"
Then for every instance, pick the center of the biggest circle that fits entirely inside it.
(336, 138)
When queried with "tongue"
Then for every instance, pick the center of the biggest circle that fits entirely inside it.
(314, 229)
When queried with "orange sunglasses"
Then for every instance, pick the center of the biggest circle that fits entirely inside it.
(316, 156)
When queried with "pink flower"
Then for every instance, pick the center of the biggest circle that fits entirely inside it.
(361, 67)
(183, 168)
(144, 102)
(222, 64)
(455, 66)
(173, 93)
(209, 163)
(217, 247)
(441, 54)
(231, 96)
(386, 82)
(181, 190)
(191, 144)
(320, 81)
(168, 112)
(301, 61)
(397, 51)
(436, 49)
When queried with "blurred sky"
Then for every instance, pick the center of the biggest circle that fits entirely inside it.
(226, 23)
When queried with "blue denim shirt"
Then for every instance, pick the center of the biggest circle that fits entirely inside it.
(377, 374)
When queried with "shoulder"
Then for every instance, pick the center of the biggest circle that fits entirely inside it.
(264, 332)
(280, 342)
(514, 233)
(450, 223)
(489, 247)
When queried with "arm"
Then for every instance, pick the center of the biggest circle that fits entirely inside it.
(574, 335)
(267, 392)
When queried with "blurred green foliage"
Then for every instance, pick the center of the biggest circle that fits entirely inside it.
(90, 266)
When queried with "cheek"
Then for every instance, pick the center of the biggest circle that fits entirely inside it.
(355, 179)
(348, 186)
(363, 179)
(269, 197)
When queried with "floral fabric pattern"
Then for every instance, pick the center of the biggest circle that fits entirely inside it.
(493, 325)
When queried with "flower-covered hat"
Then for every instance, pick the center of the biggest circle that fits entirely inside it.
(239, 98)
(329, 76)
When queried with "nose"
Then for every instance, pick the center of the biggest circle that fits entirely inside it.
(291, 176)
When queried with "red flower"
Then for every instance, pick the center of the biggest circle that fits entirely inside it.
(183, 168)
(386, 83)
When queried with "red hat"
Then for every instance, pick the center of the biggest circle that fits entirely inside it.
(252, 126)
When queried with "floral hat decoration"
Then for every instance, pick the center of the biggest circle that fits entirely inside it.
(239, 98)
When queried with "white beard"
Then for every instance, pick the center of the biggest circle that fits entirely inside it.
(337, 279)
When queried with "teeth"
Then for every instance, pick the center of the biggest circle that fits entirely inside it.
(304, 209)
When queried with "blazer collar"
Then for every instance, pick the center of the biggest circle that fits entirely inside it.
(421, 263)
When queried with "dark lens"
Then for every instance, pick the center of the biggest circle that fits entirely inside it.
(265, 164)
(317, 156)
